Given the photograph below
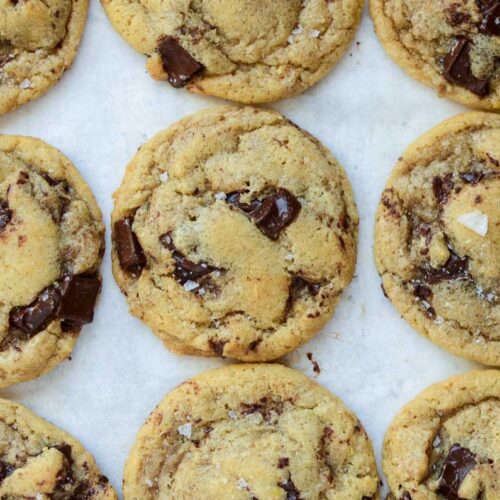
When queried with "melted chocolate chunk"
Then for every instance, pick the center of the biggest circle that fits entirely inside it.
(490, 24)
(177, 62)
(5, 470)
(283, 462)
(455, 268)
(456, 16)
(459, 462)
(66, 475)
(185, 269)
(422, 292)
(271, 214)
(5, 215)
(299, 283)
(457, 69)
(217, 346)
(441, 187)
(35, 317)
(292, 493)
(78, 298)
(128, 248)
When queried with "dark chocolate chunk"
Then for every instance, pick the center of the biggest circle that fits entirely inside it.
(273, 213)
(490, 24)
(441, 187)
(299, 283)
(66, 475)
(35, 317)
(128, 248)
(78, 298)
(185, 269)
(457, 69)
(422, 292)
(455, 268)
(283, 462)
(5, 215)
(177, 62)
(456, 16)
(292, 493)
(5, 470)
(459, 462)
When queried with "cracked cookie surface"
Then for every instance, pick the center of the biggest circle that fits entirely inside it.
(51, 245)
(234, 234)
(437, 236)
(251, 431)
(38, 42)
(444, 444)
(450, 45)
(38, 460)
(249, 51)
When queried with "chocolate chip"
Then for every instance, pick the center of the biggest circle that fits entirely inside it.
(283, 462)
(35, 317)
(299, 283)
(128, 248)
(217, 346)
(441, 187)
(272, 214)
(490, 24)
(5, 470)
(292, 493)
(459, 462)
(457, 69)
(177, 62)
(422, 292)
(455, 268)
(185, 269)
(5, 215)
(78, 298)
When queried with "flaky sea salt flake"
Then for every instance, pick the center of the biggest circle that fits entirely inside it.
(190, 285)
(164, 177)
(185, 430)
(25, 84)
(476, 221)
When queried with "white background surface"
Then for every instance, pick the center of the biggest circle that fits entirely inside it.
(366, 111)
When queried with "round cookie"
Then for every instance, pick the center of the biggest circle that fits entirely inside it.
(234, 234)
(437, 236)
(51, 246)
(38, 460)
(249, 51)
(38, 42)
(251, 431)
(444, 443)
(452, 46)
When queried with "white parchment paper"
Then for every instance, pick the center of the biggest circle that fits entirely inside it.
(366, 111)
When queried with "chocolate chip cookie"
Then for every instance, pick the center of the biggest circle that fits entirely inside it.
(450, 45)
(234, 234)
(251, 431)
(444, 443)
(437, 236)
(40, 461)
(51, 246)
(250, 51)
(38, 42)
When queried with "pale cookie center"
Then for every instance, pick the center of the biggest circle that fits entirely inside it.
(33, 24)
(472, 221)
(251, 29)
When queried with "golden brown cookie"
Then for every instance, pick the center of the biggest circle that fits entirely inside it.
(251, 431)
(450, 45)
(437, 236)
(39, 461)
(234, 234)
(250, 51)
(51, 246)
(38, 42)
(445, 443)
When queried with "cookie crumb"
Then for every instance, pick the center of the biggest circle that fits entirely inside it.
(316, 368)
(185, 430)
(476, 221)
